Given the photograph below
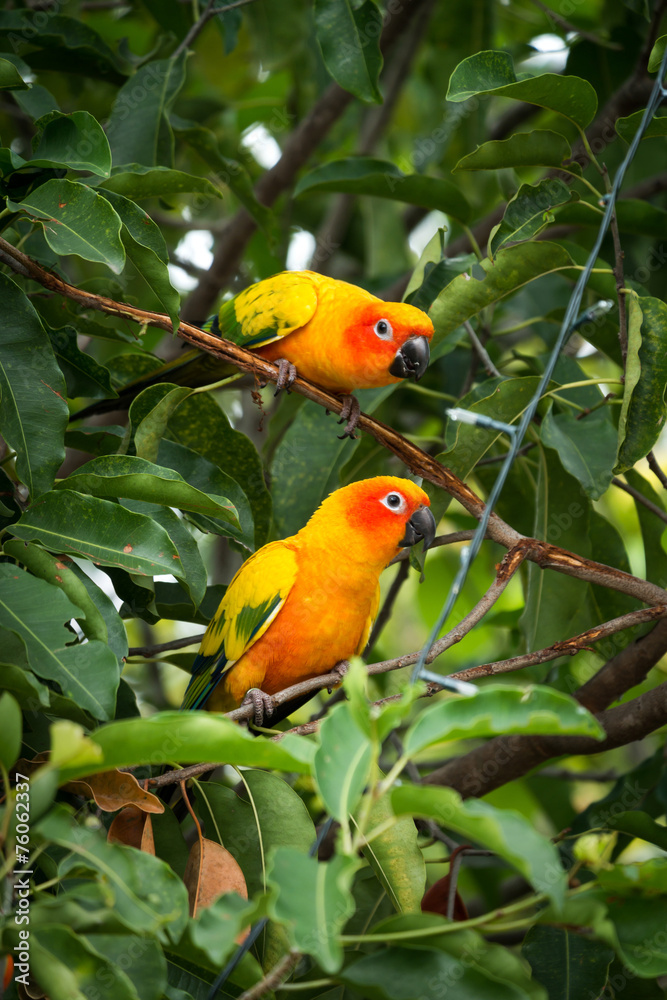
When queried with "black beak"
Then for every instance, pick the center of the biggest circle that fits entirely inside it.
(411, 359)
(421, 525)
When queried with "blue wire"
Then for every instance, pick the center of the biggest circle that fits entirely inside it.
(570, 323)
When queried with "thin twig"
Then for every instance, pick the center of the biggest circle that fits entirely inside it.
(455, 862)
(619, 277)
(564, 647)
(640, 498)
(149, 651)
(207, 15)
(655, 468)
(481, 351)
(388, 606)
(274, 978)
(566, 25)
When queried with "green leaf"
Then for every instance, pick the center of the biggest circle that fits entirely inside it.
(493, 73)
(148, 897)
(513, 268)
(37, 612)
(396, 858)
(146, 248)
(540, 148)
(194, 571)
(627, 127)
(643, 408)
(83, 374)
(209, 479)
(271, 816)
(348, 35)
(76, 220)
(134, 478)
(657, 53)
(138, 128)
(299, 484)
(52, 569)
(147, 977)
(586, 448)
(136, 181)
(11, 727)
(33, 412)
(201, 425)
(561, 517)
(72, 968)
(10, 78)
(651, 527)
(501, 830)
(568, 964)
(381, 179)
(503, 399)
(63, 41)
(105, 532)
(639, 922)
(213, 933)
(313, 900)
(188, 737)
(499, 709)
(76, 141)
(529, 212)
(153, 427)
(227, 171)
(640, 825)
(342, 762)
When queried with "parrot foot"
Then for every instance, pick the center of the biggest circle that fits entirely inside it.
(286, 375)
(339, 670)
(262, 704)
(351, 412)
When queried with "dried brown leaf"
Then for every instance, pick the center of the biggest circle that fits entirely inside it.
(211, 870)
(132, 827)
(112, 790)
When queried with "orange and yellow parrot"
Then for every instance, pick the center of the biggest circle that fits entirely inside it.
(298, 607)
(330, 332)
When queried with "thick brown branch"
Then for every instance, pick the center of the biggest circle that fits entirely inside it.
(510, 757)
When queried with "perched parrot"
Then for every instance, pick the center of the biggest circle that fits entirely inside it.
(299, 607)
(330, 332)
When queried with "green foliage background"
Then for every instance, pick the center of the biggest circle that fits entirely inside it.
(464, 169)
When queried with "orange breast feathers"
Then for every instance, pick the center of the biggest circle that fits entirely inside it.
(299, 606)
(335, 334)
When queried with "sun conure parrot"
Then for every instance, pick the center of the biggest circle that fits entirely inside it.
(298, 607)
(330, 332)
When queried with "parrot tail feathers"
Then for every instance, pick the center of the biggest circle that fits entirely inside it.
(206, 673)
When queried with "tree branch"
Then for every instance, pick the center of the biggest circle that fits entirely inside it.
(507, 758)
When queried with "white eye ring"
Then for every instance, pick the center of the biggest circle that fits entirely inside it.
(383, 329)
(394, 502)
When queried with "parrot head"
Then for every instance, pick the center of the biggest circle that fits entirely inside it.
(393, 338)
(374, 518)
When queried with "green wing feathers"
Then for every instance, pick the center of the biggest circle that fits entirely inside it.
(251, 602)
(268, 310)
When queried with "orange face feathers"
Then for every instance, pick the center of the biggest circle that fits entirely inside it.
(370, 518)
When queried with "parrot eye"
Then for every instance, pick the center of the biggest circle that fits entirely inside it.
(394, 501)
(383, 329)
